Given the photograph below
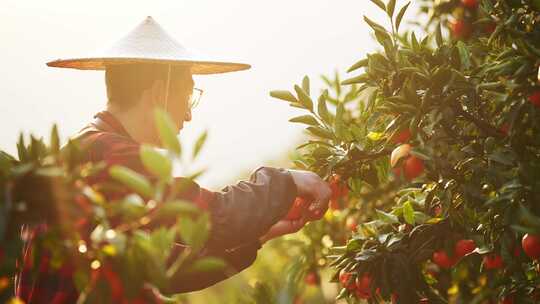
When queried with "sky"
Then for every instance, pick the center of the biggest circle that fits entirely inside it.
(282, 40)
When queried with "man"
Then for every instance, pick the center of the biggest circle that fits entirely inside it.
(146, 70)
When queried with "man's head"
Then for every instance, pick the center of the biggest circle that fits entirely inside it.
(140, 88)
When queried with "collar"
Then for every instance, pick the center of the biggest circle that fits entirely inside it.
(112, 124)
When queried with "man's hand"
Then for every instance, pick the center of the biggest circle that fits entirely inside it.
(310, 185)
(283, 227)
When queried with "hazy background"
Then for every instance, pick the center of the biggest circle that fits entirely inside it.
(282, 40)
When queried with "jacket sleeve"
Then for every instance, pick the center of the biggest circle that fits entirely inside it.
(237, 260)
(240, 215)
(244, 212)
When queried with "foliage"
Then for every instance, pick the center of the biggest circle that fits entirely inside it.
(120, 234)
(438, 140)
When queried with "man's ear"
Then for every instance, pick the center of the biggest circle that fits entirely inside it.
(157, 93)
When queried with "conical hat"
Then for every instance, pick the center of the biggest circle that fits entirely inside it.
(149, 43)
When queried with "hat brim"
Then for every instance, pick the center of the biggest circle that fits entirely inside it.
(197, 67)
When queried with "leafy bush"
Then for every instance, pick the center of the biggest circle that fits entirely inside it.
(118, 233)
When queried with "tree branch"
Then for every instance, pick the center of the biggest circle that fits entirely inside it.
(482, 125)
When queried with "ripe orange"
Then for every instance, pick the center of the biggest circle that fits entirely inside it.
(413, 167)
(471, 4)
(493, 261)
(297, 209)
(489, 27)
(509, 299)
(461, 29)
(346, 280)
(531, 245)
(534, 98)
(464, 247)
(443, 260)
(402, 137)
(339, 191)
(505, 128)
(363, 286)
(114, 282)
(312, 278)
(410, 164)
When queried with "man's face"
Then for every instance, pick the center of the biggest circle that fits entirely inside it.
(178, 104)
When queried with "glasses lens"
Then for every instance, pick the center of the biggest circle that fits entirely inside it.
(195, 97)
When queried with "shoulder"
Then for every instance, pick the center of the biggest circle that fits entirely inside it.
(99, 145)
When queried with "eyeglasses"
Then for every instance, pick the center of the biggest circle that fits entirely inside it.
(195, 98)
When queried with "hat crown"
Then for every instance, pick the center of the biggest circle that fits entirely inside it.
(148, 42)
(148, 39)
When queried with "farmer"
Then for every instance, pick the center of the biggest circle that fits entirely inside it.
(145, 70)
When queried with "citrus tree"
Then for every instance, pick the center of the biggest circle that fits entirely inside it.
(432, 147)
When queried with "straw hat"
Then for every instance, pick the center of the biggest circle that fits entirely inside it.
(149, 43)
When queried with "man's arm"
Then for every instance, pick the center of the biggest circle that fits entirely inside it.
(243, 213)
(240, 214)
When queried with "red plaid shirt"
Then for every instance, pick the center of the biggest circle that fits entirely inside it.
(240, 215)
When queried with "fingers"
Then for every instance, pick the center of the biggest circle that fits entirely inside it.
(315, 213)
(311, 185)
(321, 199)
(296, 225)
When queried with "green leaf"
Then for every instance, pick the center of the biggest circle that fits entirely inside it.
(379, 3)
(173, 209)
(304, 98)
(523, 229)
(199, 144)
(420, 154)
(401, 14)
(502, 157)
(408, 212)
(167, 132)
(390, 8)
(305, 119)
(375, 26)
(131, 207)
(207, 264)
(284, 95)
(155, 162)
(55, 140)
(361, 63)
(305, 85)
(414, 42)
(98, 234)
(320, 132)
(387, 217)
(464, 55)
(358, 79)
(438, 35)
(339, 125)
(528, 218)
(50, 171)
(6, 162)
(21, 149)
(421, 217)
(132, 179)
(322, 109)
(194, 232)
